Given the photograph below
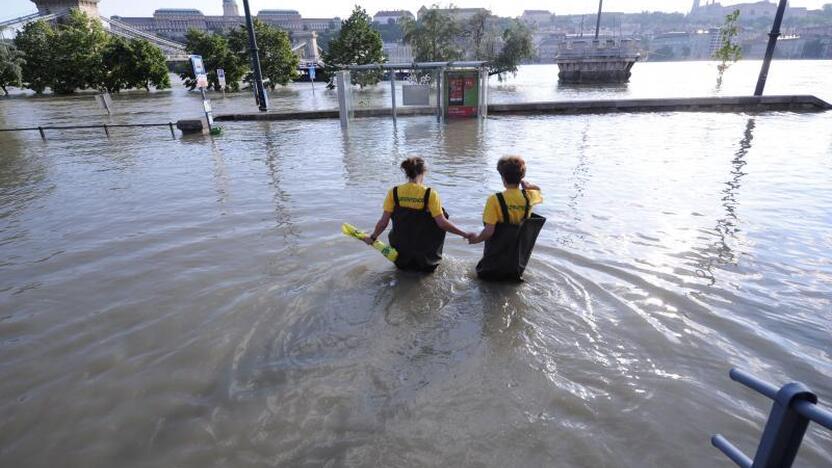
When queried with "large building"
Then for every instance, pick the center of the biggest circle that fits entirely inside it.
(391, 16)
(229, 8)
(458, 14)
(174, 23)
(536, 18)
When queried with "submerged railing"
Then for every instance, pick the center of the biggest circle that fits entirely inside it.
(794, 407)
(105, 127)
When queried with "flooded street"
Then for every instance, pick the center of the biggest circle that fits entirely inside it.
(192, 302)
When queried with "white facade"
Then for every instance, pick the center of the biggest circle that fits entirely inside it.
(391, 17)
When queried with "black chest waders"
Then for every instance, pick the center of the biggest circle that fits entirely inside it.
(507, 252)
(416, 236)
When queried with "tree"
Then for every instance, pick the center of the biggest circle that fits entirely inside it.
(115, 59)
(729, 52)
(436, 37)
(277, 61)
(35, 43)
(76, 53)
(11, 66)
(357, 43)
(215, 53)
(433, 36)
(133, 64)
(149, 66)
(478, 33)
(517, 46)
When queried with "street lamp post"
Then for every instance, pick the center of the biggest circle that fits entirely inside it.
(262, 99)
(772, 43)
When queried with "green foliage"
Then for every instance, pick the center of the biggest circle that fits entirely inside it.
(76, 53)
(278, 63)
(116, 60)
(79, 54)
(729, 52)
(35, 42)
(216, 53)
(434, 36)
(357, 43)
(11, 66)
(133, 64)
(149, 66)
(517, 46)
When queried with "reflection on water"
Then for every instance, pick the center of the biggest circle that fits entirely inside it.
(192, 302)
(728, 226)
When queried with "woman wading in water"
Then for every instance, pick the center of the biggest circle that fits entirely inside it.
(419, 221)
(511, 229)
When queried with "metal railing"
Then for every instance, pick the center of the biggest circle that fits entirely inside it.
(793, 408)
(22, 20)
(106, 127)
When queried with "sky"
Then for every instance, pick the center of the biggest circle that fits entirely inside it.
(342, 8)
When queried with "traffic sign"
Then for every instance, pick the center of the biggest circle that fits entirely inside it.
(221, 77)
(312, 73)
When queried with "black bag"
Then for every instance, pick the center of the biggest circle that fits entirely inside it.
(416, 236)
(507, 252)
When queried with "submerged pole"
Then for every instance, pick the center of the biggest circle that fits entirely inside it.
(772, 43)
(598, 20)
(262, 99)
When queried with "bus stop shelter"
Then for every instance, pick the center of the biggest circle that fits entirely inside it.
(461, 88)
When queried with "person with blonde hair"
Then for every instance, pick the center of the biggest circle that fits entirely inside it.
(510, 228)
(419, 221)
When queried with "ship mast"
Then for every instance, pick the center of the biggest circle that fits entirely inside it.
(598, 21)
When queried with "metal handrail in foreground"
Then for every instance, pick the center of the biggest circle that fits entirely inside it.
(793, 408)
(106, 128)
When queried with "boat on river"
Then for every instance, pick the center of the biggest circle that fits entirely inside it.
(596, 59)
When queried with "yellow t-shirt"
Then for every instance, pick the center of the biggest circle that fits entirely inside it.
(516, 204)
(413, 196)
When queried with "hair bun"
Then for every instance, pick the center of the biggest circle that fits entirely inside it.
(413, 167)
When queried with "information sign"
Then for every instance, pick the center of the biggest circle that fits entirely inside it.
(221, 77)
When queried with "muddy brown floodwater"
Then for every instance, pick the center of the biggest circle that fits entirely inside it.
(192, 302)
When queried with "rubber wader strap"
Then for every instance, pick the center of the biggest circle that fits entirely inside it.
(504, 208)
(526, 214)
(396, 196)
(427, 199)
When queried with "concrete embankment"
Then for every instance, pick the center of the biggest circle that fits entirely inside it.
(804, 103)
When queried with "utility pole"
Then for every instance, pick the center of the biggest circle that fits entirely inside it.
(262, 99)
(772, 43)
(598, 21)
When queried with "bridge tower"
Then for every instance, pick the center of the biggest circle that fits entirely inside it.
(90, 7)
(229, 8)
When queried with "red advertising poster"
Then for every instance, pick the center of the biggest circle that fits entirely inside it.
(463, 94)
(457, 91)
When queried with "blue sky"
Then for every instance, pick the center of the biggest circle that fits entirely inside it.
(324, 8)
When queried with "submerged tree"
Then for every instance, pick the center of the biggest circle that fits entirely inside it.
(435, 37)
(11, 66)
(35, 42)
(728, 52)
(517, 46)
(277, 61)
(134, 63)
(215, 53)
(77, 53)
(357, 43)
